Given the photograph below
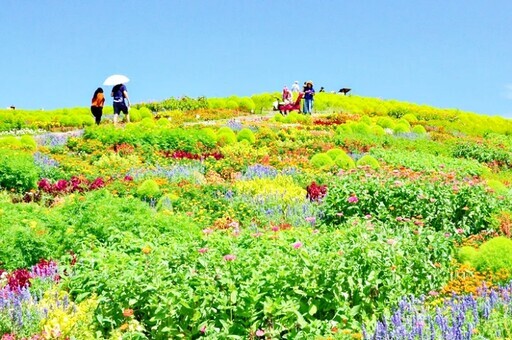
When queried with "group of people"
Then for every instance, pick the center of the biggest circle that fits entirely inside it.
(308, 95)
(121, 103)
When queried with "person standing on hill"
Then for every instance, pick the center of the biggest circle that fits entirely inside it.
(97, 102)
(287, 96)
(309, 94)
(121, 102)
(295, 87)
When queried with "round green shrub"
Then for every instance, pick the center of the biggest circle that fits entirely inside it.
(145, 113)
(404, 122)
(28, 142)
(246, 104)
(246, 134)
(226, 138)
(278, 118)
(385, 122)
(419, 129)
(334, 153)
(148, 189)
(467, 255)
(345, 162)
(210, 134)
(135, 115)
(224, 129)
(147, 123)
(365, 119)
(378, 130)
(495, 255)
(10, 142)
(368, 160)
(321, 161)
(401, 128)
(361, 128)
(344, 129)
(411, 118)
(166, 202)
(163, 122)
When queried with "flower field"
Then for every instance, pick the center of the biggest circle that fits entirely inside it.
(212, 219)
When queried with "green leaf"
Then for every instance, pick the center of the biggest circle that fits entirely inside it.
(233, 296)
(312, 310)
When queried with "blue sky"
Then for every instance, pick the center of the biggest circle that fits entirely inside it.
(449, 54)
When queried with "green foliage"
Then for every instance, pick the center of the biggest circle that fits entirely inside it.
(442, 206)
(335, 153)
(246, 134)
(401, 128)
(467, 255)
(377, 130)
(17, 171)
(23, 241)
(368, 160)
(345, 162)
(226, 137)
(495, 255)
(411, 118)
(385, 122)
(28, 143)
(321, 161)
(148, 189)
(419, 129)
(361, 128)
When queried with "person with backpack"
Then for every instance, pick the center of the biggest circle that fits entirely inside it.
(97, 102)
(121, 102)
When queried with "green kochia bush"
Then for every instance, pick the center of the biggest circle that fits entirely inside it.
(292, 286)
(17, 171)
(321, 160)
(495, 255)
(246, 134)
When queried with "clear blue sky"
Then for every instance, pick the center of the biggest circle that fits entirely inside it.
(449, 54)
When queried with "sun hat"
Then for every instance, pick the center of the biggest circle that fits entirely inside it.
(309, 82)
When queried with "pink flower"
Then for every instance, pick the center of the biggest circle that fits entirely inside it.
(260, 332)
(207, 231)
(275, 228)
(460, 231)
(229, 257)
(353, 199)
(316, 231)
(367, 216)
(203, 250)
(339, 214)
(391, 241)
(311, 219)
(203, 329)
(297, 245)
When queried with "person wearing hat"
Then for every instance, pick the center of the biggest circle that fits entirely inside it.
(309, 93)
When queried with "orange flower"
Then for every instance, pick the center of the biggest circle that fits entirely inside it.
(146, 250)
(124, 327)
(127, 312)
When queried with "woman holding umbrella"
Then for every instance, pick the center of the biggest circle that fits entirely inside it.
(121, 102)
(120, 95)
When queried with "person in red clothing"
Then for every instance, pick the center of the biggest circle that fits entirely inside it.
(98, 100)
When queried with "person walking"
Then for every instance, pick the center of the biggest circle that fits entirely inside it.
(121, 102)
(97, 102)
(295, 87)
(309, 94)
(287, 95)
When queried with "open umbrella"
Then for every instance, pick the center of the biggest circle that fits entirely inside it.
(116, 79)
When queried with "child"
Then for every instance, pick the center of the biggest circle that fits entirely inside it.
(98, 99)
